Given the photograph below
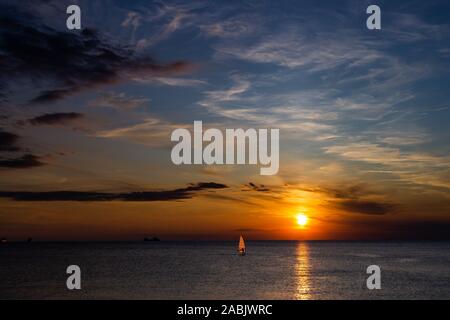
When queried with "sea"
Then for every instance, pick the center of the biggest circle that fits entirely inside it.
(214, 270)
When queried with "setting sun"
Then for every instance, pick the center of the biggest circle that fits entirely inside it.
(302, 220)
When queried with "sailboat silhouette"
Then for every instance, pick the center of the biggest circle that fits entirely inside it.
(241, 248)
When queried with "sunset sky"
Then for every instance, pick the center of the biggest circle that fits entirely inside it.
(363, 117)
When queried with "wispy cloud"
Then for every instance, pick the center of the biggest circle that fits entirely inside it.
(405, 138)
(374, 153)
(412, 167)
(170, 18)
(293, 49)
(239, 87)
(133, 20)
(173, 82)
(406, 27)
(120, 101)
(233, 27)
(150, 132)
(238, 103)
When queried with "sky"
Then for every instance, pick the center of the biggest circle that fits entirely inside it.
(86, 119)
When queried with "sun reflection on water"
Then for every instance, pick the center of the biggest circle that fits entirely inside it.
(303, 291)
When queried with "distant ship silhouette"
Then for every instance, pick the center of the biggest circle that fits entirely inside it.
(151, 239)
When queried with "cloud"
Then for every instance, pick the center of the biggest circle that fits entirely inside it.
(293, 49)
(160, 195)
(57, 118)
(23, 162)
(295, 112)
(233, 27)
(173, 82)
(365, 207)
(150, 132)
(64, 63)
(215, 100)
(402, 138)
(255, 187)
(346, 192)
(409, 28)
(8, 141)
(358, 198)
(375, 153)
(240, 86)
(205, 185)
(119, 101)
(133, 19)
(169, 19)
(341, 57)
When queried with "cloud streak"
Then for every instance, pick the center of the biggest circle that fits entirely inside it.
(23, 162)
(150, 132)
(160, 195)
(56, 118)
(119, 101)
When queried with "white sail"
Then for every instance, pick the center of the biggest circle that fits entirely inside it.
(241, 245)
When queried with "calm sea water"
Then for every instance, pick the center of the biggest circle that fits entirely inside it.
(212, 270)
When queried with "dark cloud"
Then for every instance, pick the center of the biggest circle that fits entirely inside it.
(25, 161)
(366, 207)
(8, 141)
(160, 195)
(255, 187)
(205, 185)
(355, 199)
(347, 192)
(62, 63)
(56, 118)
(223, 197)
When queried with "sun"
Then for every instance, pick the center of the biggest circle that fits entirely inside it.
(302, 220)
